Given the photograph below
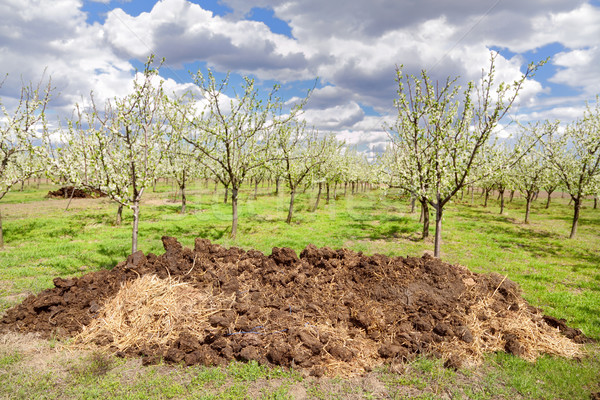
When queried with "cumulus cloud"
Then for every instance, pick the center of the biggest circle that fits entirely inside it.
(579, 68)
(316, 18)
(334, 118)
(347, 51)
(184, 32)
(353, 47)
(53, 38)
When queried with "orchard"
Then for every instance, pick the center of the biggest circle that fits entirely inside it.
(294, 250)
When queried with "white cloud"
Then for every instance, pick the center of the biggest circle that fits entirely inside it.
(184, 32)
(334, 118)
(55, 37)
(567, 114)
(578, 27)
(579, 68)
(353, 46)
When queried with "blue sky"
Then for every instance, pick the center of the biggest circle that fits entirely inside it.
(349, 47)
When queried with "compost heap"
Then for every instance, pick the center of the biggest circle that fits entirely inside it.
(326, 311)
(76, 193)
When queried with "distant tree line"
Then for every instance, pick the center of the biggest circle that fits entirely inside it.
(442, 144)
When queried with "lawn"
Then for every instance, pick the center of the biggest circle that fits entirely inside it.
(44, 239)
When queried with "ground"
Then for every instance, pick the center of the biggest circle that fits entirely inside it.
(421, 377)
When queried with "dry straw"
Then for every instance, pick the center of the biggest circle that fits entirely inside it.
(491, 330)
(150, 312)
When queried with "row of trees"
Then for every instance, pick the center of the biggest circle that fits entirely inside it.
(20, 129)
(122, 149)
(441, 143)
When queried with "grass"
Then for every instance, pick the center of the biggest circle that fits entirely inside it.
(562, 276)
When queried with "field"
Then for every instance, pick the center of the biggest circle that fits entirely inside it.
(43, 241)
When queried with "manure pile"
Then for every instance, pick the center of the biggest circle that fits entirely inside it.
(70, 191)
(327, 310)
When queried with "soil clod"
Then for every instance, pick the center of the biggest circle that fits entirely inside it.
(326, 310)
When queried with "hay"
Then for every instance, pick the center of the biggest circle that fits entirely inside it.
(529, 334)
(342, 318)
(150, 312)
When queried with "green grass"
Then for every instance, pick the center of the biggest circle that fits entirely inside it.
(561, 276)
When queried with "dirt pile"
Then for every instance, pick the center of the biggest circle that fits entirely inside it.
(70, 191)
(327, 310)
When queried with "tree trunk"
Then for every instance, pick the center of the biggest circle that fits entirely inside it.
(226, 194)
(487, 196)
(234, 211)
(70, 198)
(216, 186)
(528, 206)
(277, 187)
(472, 194)
(595, 202)
(255, 189)
(512, 194)
(501, 201)
(352, 187)
(576, 208)
(291, 209)
(183, 198)
(1, 232)
(413, 200)
(136, 220)
(318, 197)
(425, 218)
(327, 195)
(549, 199)
(119, 218)
(345, 188)
(334, 190)
(438, 230)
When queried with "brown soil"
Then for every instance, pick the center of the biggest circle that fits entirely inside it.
(325, 310)
(70, 191)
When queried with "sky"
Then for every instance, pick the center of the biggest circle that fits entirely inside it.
(347, 49)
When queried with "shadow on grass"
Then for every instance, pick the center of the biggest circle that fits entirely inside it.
(389, 229)
(174, 208)
(22, 230)
(537, 243)
(212, 233)
(114, 255)
(160, 231)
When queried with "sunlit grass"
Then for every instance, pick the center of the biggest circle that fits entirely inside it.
(562, 276)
